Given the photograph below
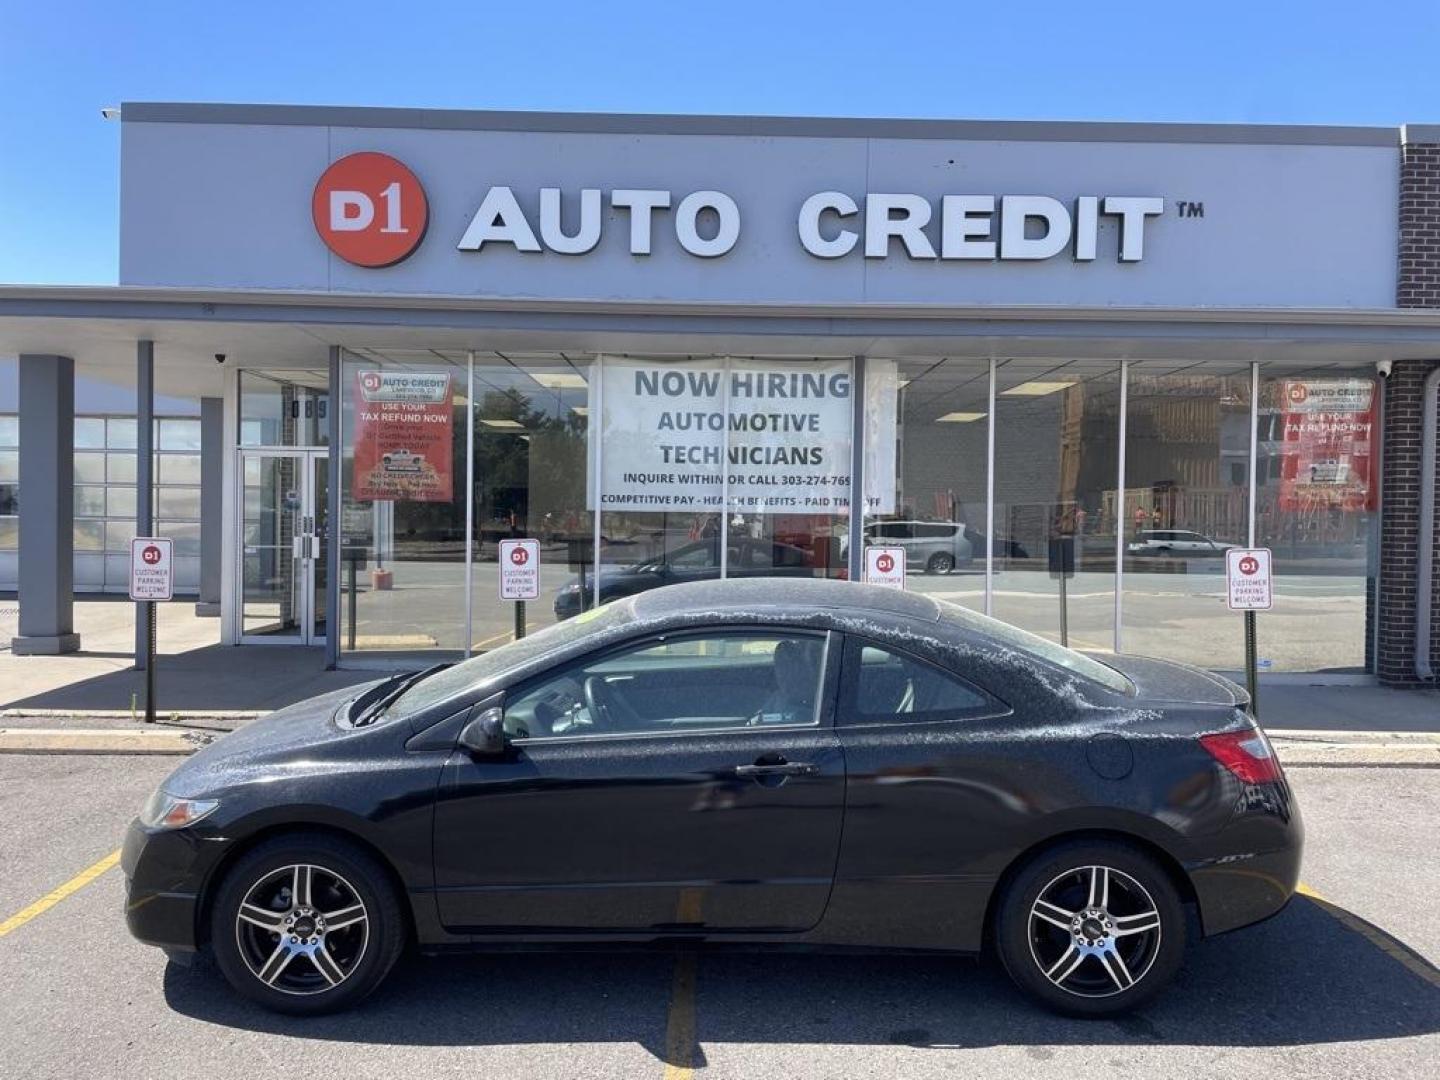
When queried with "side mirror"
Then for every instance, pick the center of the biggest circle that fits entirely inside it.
(484, 734)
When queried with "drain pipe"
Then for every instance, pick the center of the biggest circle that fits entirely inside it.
(1425, 556)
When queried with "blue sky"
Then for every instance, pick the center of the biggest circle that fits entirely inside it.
(1261, 61)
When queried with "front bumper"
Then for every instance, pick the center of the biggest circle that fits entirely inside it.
(165, 872)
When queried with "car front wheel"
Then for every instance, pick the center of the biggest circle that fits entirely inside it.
(940, 563)
(306, 924)
(1091, 929)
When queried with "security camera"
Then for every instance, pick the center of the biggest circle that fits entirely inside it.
(219, 357)
(1384, 367)
(110, 112)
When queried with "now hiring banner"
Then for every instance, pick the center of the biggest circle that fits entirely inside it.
(772, 437)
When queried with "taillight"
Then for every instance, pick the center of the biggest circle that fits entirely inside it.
(1246, 753)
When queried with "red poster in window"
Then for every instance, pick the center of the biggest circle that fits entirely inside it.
(1327, 429)
(402, 436)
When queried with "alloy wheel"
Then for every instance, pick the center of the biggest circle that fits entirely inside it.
(302, 929)
(1094, 931)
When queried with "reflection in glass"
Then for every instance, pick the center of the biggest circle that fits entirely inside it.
(1187, 464)
(939, 517)
(1056, 462)
(531, 423)
(402, 558)
(1316, 508)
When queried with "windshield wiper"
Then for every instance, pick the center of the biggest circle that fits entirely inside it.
(389, 691)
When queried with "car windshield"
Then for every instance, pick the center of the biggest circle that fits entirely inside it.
(1047, 651)
(460, 677)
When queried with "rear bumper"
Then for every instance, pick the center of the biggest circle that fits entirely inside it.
(164, 873)
(1241, 889)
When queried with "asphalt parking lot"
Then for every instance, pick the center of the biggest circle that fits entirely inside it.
(1343, 984)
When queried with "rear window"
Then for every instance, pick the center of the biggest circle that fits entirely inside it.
(1026, 642)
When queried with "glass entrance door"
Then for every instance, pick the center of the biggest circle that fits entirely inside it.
(284, 533)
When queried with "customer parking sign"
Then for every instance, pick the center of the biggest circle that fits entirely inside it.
(1247, 579)
(151, 577)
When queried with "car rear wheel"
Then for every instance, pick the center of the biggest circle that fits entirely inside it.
(306, 924)
(1091, 928)
(940, 563)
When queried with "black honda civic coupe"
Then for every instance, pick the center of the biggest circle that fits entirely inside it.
(748, 762)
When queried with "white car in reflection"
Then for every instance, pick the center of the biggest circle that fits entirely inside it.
(1176, 542)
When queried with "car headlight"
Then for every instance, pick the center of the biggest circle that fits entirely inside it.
(165, 811)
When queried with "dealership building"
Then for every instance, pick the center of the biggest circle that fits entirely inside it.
(352, 350)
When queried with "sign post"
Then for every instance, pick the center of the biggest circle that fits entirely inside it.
(519, 576)
(152, 579)
(885, 566)
(1247, 589)
(1062, 568)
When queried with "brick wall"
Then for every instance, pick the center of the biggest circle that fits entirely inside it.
(1418, 286)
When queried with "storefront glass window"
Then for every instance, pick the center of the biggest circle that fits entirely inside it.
(531, 422)
(1187, 464)
(940, 456)
(90, 433)
(541, 458)
(788, 453)
(277, 408)
(402, 509)
(1317, 491)
(1056, 461)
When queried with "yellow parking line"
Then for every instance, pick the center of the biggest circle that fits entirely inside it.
(501, 639)
(1396, 950)
(680, 1024)
(49, 900)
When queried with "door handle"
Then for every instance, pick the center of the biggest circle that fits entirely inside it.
(778, 768)
(297, 546)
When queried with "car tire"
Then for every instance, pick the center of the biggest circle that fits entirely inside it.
(940, 563)
(335, 904)
(1091, 953)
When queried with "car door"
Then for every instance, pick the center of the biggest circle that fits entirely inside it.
(931, 797)
(682, 782)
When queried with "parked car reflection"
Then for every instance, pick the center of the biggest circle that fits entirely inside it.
(698, 561)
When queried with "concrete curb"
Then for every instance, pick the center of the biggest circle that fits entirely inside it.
(182, 717)
(100, 741)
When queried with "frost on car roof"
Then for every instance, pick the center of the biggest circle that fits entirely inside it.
(794, 594)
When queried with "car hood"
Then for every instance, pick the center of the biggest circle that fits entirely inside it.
(285, 735)
(1168, 681)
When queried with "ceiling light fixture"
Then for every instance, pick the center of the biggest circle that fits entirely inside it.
(1038, 388)
(960, 417)
(558, 380)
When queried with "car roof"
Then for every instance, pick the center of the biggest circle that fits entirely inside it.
(784, 593)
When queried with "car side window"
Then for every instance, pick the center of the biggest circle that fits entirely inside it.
(886, 684)
(680, 683)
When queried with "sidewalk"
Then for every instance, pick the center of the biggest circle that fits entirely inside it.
(194, 673)
(207, 687)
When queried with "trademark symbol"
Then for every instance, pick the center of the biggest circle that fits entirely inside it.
(1185, 208)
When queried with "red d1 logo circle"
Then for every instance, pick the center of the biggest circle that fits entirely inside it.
(151, 554)
(1249, 565)
(519, 556)
(370, 209)
(884, 563)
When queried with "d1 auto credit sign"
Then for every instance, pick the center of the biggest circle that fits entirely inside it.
(519, 569)
(1247, 579)
(885, 566)
(151, 568)
(402, 436)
